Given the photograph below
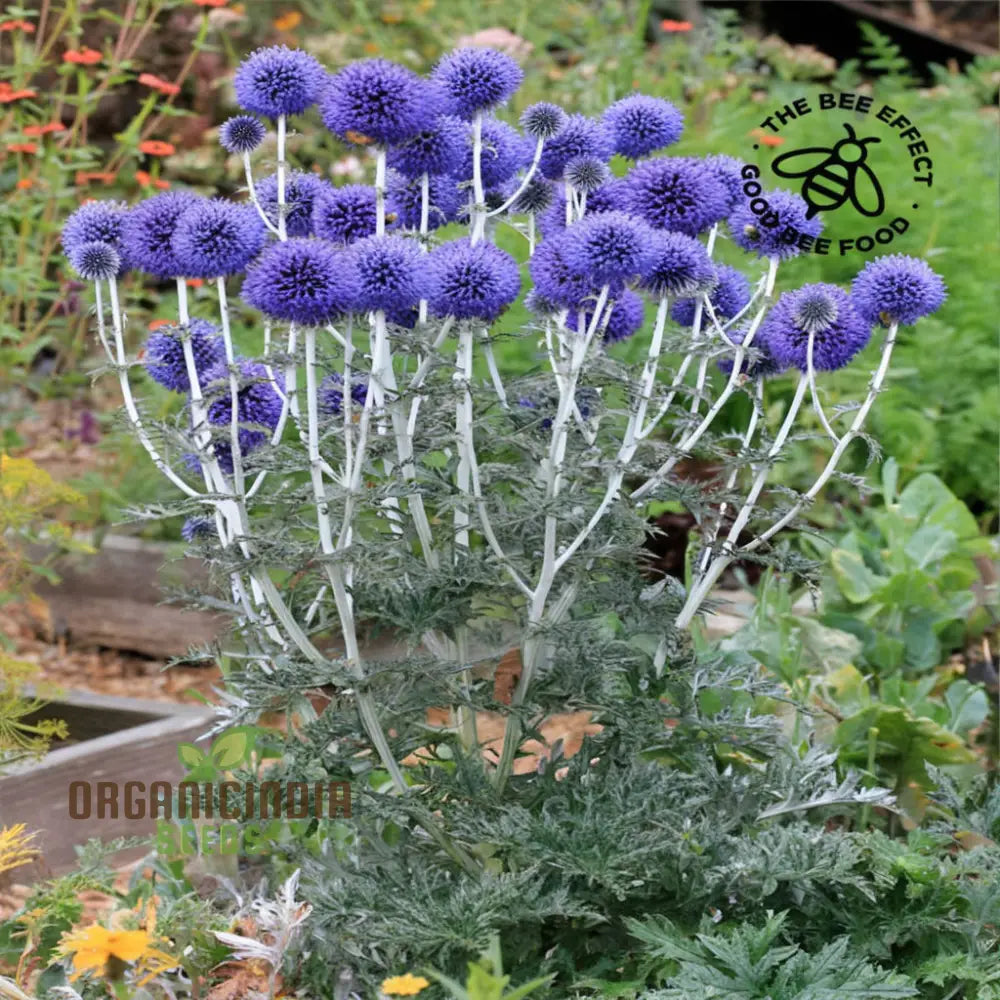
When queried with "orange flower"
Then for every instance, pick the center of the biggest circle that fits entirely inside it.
(146, 180)
(22, 147)
(26, 26)
(157, 323)
(288, 21)
(163, 86)
(7, 95)
(210, 3)
(195, 282)
(44, 129)
(154, 147)
(24, 183)
(676, 25)
(83, 57)
(771, 140)
(86, 176)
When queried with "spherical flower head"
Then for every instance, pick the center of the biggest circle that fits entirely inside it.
(557, 280)
(439, 149)
(679, 266)
(607, 198)
(330, 394)
(301, 193)
(258, 407)
(476, 79)
(626, 318)
(542, 120)
(822, 311)
(504, 152)
(728, 170)
(95, 261)
(757, 362)
(773, 233)
(241, 134)
(378, 101)
(579, 136)
(278, 81)
(164, 353)
(471, 281)
(345, 214)
(586, 174)
(197, 527)
(303, 281)
(730, 295)
(536, 197)
(392, 273)
(897, 289)
(403, 197)
(97, 222)
(148, 233)
(678, 193)
(215, 238)
(640, 124)
(610, 246)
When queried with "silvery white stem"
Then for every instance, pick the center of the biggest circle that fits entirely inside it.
(491, 363)
(539, 146)
(254, 200)
(234, 390)
(478, 219)
(531, 234)
(282, 219)
(380, 190)
(425, 209)
(569, 202)
(384, 381)
(463, 429)
(814, 392)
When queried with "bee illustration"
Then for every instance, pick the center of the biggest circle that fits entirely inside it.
(834, 176)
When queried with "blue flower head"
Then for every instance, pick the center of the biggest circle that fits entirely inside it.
(215, 238)
(556, 279)
(278, 81)
(626, 318)
(897, 289)
(471, 281)
(197, 527)
(331, 393)
(728, 170)
(439, 149)
(679, 266)
(164, 353)
(675, 192)
(344, 214)
(95, 261)
(607, 198)
(97, 222)
(823, 311)
(403, 201)
(640, 124)
(774, 232)
(379, 101)
(148, 233)
(258, 405)
(391, 273)
(241, 134)
(503, 154)
(730, 295)
(587, 174)
(476, 79)
(757, 362)
(542, 120)
(579, 136)
(609, 247)
(301, 192)
(535, 198)
(303, 281)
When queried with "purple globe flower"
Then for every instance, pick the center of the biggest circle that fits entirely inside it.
(330, 394)
(164, 354)
(278, 81)
(301, 192)
(627, 315)
(344, 214)
(392, 273)
(471, 281)
(727, 169)
(536, 197)
(241, 134)
(258, 408)
(579, 136)
(197, 527)
(476, 79)
(640, 124)
(677, 193)
(379, 101)
(897, 289)
(774, 232)
(586, 174)
(97, 222)
(403, 201)
(556, 279)
(148, 233)
(757, 362)
(824, 311)
(730, 295)
(503, 154)
(95, 261)
(609, 247)
(542, 120)
(607, 198)
(215, 238)
(439, 149)
(679, 265)
(303, 281)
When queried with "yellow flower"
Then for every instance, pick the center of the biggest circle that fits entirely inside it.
(405, 986)
(286, 22)
(95, 946)
(16, 848)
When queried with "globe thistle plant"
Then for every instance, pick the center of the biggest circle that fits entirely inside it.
(476, 79)
(344, 214)
(164, 353)
(301, 192)
(214, 238)
(897, 289)
(278, 81)
(682, 194)
(241, 134)
(640, 125)
(148, 233)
